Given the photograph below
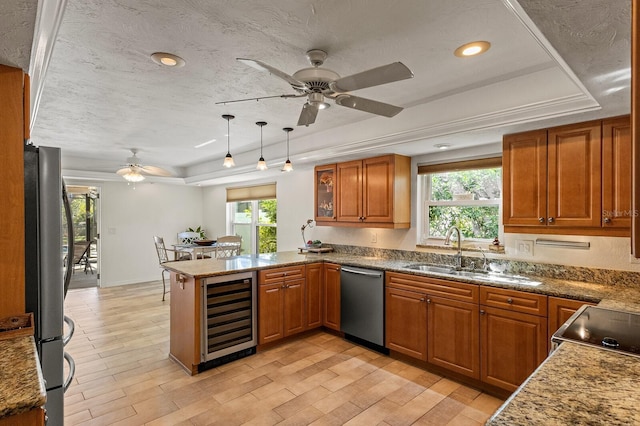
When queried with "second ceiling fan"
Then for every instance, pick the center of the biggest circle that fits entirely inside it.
(318, 84)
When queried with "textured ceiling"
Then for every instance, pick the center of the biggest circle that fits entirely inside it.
(550, 63)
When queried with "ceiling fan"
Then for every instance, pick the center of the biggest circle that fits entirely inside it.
(317, 84)
(134, 170)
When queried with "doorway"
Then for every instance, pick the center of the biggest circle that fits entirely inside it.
(86, 235)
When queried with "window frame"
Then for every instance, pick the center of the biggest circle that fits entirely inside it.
(254, 224)
(424, 198)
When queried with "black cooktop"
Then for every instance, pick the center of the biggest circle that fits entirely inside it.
(608, 329)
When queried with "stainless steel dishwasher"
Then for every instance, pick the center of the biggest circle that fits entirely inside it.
(362, 305)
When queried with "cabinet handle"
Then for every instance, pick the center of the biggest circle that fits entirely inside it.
(428, 300)
(481, 311)
(510, 301)
(541, 219)
(550, 220)
(607, 220)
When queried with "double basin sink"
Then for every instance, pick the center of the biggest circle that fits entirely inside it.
(494, 277)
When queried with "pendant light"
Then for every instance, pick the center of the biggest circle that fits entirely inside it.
(287, 164)
(228, 159)
(262, 165)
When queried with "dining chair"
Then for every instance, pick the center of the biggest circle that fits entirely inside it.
(163, 258)
(228, 245)
(81, 255)
(188, 237)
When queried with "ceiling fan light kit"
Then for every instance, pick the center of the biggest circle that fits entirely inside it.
(228, 159)
(262, 165)
(134, 169)
(319, 84)
(288, 167)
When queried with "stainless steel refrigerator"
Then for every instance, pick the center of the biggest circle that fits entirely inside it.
(46, 276)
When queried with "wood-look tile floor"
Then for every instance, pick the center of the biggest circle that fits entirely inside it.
(124, 377)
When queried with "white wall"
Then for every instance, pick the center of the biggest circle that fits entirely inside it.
(129, 218)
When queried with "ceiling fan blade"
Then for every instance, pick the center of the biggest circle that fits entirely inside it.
(368, 105)
(260, 98)
(373, 77)
(307, 115)
(123, 171)
(155, 171)
(274, 71)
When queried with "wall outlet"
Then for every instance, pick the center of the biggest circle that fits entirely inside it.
(374, 237)
(524, 248)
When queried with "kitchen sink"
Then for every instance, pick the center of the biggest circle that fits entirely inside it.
(495, 277)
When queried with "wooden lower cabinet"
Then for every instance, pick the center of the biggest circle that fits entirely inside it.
(406, 322)
(34, 417)
(434, 321)
(331, 296)
(315, 277)
(281, 303)
(512, 345)
(453, 335)
(560, 310)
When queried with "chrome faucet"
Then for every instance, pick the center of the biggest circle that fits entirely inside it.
(447, 241)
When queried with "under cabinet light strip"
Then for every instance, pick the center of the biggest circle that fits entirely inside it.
(564, 244)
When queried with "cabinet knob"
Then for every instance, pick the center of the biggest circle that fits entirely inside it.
(550, 220)
(481, 311)
(541, 219)
(428, 300)
(510, 301)
(607, 220)
(422, 299)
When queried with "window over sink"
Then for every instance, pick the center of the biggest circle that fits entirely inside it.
(465, 194)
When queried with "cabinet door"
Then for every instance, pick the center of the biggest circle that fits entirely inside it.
(453, 335)
(349, 198)
(575, 175)
(314, 295)
(377, 189)
(616, 173)
(331, 296)
(184, 324)
(524, 178)
(270, 313)
(294, 307)
(325, 190)
(560, 310)
(512, 345)
(406, 322)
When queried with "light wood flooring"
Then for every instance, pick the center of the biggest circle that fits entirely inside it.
(123, 376)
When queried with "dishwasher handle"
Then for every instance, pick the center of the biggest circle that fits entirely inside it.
(368, 274)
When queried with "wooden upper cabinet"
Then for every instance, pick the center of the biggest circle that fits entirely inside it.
(350, 191)
(575, 175)
(524, 177)
(573, 179)
(374, 192)
(324, 193)
(616, 173)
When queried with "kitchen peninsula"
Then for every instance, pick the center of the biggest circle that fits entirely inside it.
(553, 385)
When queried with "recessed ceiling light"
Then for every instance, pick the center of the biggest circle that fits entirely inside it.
(472, 49)
(167, 59)
(442, 146)
(205, 143)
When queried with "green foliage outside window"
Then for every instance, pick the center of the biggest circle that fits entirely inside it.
(457, 199)
(267, 235)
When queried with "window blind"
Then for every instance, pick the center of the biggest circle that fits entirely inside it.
(483, 163)
(248, 193)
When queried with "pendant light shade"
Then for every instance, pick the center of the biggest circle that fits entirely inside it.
(228, 159)
(262, 165)
(287, 164)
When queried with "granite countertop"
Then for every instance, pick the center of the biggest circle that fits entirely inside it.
(575, 385)
(21, 383)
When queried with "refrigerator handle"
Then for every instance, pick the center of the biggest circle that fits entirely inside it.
(72, 371)
(72, 329)
(70, 238)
